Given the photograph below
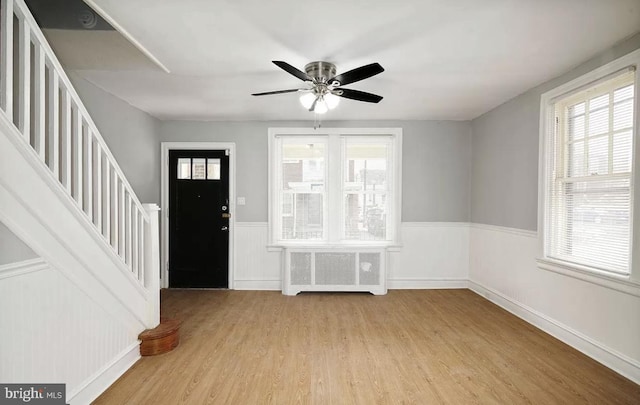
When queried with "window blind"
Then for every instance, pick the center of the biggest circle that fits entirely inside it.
(590, 185)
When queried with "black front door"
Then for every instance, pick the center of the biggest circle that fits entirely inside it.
(199, 218)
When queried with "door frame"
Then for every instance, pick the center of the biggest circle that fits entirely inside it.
(165, 147)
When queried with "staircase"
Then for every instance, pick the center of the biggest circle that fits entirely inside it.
(77, 318)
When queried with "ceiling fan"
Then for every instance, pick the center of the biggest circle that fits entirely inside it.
(324, 87)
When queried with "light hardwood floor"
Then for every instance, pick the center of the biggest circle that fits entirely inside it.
(410, 346)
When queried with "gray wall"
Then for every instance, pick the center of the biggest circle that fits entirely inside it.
(435, 171)
(131, 135)
(504, 181)
(12, 248)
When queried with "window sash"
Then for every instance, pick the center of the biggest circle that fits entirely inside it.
(565, 235)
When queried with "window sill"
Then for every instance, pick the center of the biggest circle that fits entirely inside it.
(391, 247)
(619, 283)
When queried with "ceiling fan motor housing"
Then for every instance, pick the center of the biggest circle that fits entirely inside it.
(320, 71)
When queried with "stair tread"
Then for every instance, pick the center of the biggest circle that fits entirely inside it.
(167, 327)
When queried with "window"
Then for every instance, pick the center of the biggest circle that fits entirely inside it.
(336, 187)
(198, 169)
(587, 187)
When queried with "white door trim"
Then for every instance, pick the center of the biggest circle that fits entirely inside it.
(165, 147)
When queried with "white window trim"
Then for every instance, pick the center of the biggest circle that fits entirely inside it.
(274, 244)
(625, 283)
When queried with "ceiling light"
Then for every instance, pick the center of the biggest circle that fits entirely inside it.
(332, 100)
(307, 99)
(321, 106)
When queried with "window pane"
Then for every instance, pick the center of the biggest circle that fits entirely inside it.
(599, 155)
(287, 204)
(598, 102)
(199, 172)
(576, 159)
(213, 169)
(366, 167)
(622, 152)
(306, 220)
(303, 166)
(576, 128)
(623, 93)
(599, 122)
(623, 115)
(184, 168)
(577, 109)
(365, 216)
(598, 223)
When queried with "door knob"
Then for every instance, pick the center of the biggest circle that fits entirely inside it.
(224, 228)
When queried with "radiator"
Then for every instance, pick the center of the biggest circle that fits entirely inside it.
(334, 269)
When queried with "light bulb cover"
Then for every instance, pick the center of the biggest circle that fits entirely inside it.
(332, 100)
(321, 106)
(307, 99)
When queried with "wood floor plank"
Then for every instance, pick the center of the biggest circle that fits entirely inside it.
(407, 347)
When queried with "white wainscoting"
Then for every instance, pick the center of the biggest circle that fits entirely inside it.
(601, 322)
(256, 268)
(433, 255)
(52, 332)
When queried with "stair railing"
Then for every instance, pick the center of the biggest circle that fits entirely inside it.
(38, 97)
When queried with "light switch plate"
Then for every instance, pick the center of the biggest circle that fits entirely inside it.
(242, 201)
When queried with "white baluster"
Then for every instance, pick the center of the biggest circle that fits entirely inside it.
(38, 102)
(77, 164)
(141, 252)
(121, 220)
(106, 231)
(116, 215)
(98, 187)
(129, 231)
(66, 158)
(54, 124)
(24, 78)
(88, 173)
(6, 58)
(134, 241)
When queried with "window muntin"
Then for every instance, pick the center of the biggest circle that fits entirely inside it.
(589, 183)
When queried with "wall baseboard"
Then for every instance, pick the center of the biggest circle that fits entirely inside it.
(426, 283)
(266, 285)
(618, 362)
(102, 380)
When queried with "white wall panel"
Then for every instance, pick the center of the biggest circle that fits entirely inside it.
(52, 332)
(256, 268)
(433, 255)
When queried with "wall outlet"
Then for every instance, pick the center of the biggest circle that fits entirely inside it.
(241, 201)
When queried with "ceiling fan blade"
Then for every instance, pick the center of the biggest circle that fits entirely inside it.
(358, 95)
(292, 70)
(275, 92)
(357, 74)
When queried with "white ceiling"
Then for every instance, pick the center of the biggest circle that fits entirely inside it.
(444, 59)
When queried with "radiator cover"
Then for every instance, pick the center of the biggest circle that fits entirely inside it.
(334, 269)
